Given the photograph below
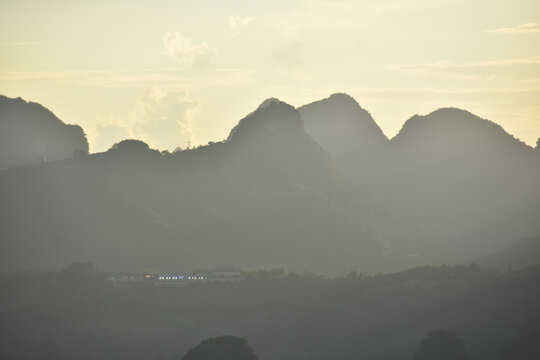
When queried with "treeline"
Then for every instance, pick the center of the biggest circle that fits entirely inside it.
(76, 313)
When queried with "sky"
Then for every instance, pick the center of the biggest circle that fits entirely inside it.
(179, 73)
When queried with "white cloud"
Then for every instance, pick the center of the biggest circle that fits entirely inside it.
(505, 69)
(165, 77)
(237, 23)
(165, 120)
(325, 14)
(531, 60)
(107, 132)
(290, 32)
(17, 43)
(288, 55)
(456, 90)
(181, 48)
(519, 29)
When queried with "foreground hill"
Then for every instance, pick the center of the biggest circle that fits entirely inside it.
(462, 179)
(267, 196)
(30, 133)
(74, 315)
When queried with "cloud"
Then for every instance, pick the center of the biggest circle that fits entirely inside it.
(164, 77)
(531, 60)
(505, 69)
(165, 120)
(237, 23)
(331, 14)
(181, 48)
(288, 55)
(107, 132)
(17, 43)
(519, 29)
(382, 93)
(162, 119)
(455, 90)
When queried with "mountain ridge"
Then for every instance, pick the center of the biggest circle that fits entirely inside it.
(267, 196)
(462, 179)
(455, 120)
(273, 194)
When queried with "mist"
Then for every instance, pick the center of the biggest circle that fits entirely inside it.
(198, 205)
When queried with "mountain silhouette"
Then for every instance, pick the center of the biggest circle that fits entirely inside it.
(520, 254)
(30, 133)
(272, 119)
(339, 124)
(267, 196)
(463, 179)
(346, 131)
(448, 187)
(455, 132)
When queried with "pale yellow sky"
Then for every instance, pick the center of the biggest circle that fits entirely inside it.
(169, 72)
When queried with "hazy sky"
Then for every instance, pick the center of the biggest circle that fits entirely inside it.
(169, 72)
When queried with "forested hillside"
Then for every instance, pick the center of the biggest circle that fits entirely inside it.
(77, 314)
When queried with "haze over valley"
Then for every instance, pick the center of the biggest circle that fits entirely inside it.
(286, 180)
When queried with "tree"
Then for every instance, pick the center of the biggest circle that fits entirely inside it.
(441, 345)
(221, 348)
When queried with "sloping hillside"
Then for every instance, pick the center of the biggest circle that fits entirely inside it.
(30, 133)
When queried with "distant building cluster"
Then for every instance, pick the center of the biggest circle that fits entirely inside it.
(176, 280)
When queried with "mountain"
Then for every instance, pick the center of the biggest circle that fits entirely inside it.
(340, 125)
(30, 133)
(449, 187)
(268, 195)
(453, 132)
(346, 131)
(462, 179)
(521, 254)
